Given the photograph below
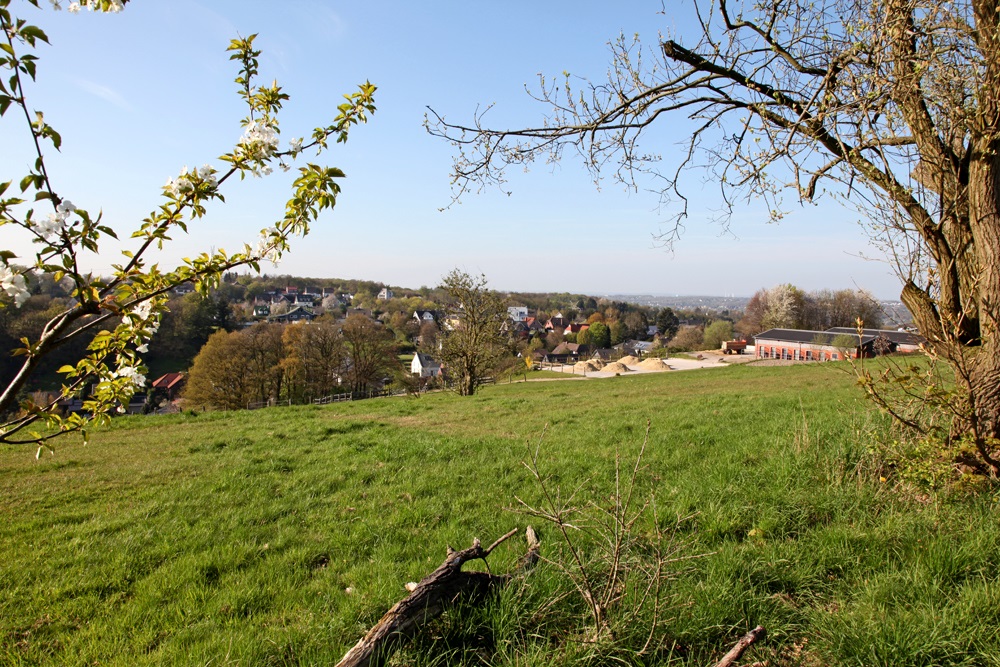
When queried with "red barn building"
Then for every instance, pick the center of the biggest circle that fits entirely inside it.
(803, 345)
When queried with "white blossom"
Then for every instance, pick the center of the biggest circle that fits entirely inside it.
(144, 309)
(268, 246)
(184, 184)
(13, 284)
(114, 6)
(132, 373)
(56, 5)
(52, 227)
(259, 140)
(66, 206)
(295, 145)
(142, 349)
(207, 175)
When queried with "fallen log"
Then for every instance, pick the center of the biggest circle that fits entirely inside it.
(736, 652)
(428, 599)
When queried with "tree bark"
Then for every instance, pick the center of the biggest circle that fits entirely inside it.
(428, 600)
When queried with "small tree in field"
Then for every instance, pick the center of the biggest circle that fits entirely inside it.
(478, 342)
(122, 311)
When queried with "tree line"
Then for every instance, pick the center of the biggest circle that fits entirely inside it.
(297, 362)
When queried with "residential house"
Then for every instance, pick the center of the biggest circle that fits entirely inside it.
(364, 312)
(637, 348)
(303, 300)
(575, 328)
(297, 314)
(557, 323)
(425, 366)
(517, 313)
(567, 353)
(261, 310)
(534, 326)
(385, 294)
(425, 316)
(170, 384)
(606, 354)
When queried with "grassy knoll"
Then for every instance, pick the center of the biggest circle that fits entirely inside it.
(231, 539)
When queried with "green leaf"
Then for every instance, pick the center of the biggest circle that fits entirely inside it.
(31, 33)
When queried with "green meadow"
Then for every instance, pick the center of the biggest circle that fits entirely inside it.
(278, 536)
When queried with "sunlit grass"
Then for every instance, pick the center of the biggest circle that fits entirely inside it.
(232, 538)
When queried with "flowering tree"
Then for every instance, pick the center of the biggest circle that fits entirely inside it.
(123, 311)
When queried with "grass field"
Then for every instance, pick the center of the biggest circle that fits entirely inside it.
(232, 539)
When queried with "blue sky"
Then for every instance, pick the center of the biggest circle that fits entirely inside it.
(139, 94)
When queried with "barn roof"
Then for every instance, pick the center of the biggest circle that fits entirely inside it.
(807, 336)
(897, 337)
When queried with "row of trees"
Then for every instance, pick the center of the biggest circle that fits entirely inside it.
(297, 362)
(788, 307)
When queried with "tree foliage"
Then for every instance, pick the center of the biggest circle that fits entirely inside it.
(296, 362)
(715, 333)
(478, 342)
(220, 376)
(667, 323)
(120, 313)
(371, 352)
(893, 106)
(788, 307)
(600, 335)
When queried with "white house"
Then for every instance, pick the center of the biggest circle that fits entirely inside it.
(424, 366)
(385, 294)
(517, 313)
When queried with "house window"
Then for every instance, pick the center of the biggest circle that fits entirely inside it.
(836, 356)
(809, 355)
(795, 355)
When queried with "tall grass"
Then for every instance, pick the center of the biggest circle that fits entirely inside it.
(277, 537)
